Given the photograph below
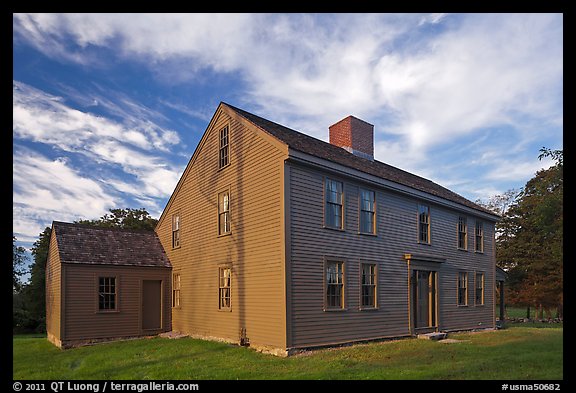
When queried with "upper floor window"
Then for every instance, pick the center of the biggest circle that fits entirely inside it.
(479, 235)
(462, 233)
(368, 285)
(176, 290)
(333, 212)
(424, 224)
(175, 231)
(367, 211)
(224, 151)
(334, 285)
(107, 294)
(462, 289)
(224, 213)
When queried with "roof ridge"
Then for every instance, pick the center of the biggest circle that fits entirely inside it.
(88, 226)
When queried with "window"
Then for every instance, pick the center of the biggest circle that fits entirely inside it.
(107, 294)
(224, 147)
(176, 290)
(368, 286)
(225, 277)
(462, 289)
(334, 285)
(367, 211)
(224, 213)
(333, 211)
(424, 224)
(479, 292)
(479, 235)
(462, 233)
(175, 231)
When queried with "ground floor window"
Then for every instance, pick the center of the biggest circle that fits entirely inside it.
(107, 294)
(479, 293)
(334, 285)
(462, 289)
(225, 286)
(176, 290)
(368, 298)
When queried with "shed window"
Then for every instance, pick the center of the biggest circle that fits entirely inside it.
(107, 293)
(368, 285)
(175, 231)
(479, 232)
(225, 286)
(424, 224)
(224, 151)
(176, 290)
(462, 233)
(462, 289)
(334, 206)
(367, 211)
(224, 213)
(479, 292)
(334, 285)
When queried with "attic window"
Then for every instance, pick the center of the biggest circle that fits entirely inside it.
(107, 294)
(224, 152)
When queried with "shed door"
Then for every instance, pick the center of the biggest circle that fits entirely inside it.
(151, 304)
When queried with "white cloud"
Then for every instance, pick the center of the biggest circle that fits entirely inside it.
(46, 190)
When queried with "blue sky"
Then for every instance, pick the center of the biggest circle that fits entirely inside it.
(108, 108)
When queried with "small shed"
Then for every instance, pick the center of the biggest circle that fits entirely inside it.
(104, 284)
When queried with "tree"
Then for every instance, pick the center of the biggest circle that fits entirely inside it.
(531, 247)
(124, 218)
(19, 259)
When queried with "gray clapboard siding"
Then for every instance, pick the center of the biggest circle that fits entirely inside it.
(396, 217)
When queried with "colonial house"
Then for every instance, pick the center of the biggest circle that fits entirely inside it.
(281, 241)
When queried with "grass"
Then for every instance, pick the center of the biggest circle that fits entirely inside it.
(513, 353)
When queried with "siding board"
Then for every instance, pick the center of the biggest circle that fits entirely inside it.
(396, 223)
(254, 249)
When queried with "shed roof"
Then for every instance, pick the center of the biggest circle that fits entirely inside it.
(315, 147)
(84, 244)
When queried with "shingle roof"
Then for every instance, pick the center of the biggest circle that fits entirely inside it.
(315, 147)
(84, 244)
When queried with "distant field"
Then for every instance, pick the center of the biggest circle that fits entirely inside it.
(514, 353)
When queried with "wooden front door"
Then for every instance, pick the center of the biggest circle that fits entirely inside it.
(151, 304)
(424, 299)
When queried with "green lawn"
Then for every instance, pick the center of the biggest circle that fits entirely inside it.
(513, 353)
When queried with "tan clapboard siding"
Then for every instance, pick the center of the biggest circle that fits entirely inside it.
(53, 290)
(254, 250)
(82, 319)
(311, 245)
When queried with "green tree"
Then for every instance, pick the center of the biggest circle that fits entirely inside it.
(19, 259)
(124, 218)
(532, 246)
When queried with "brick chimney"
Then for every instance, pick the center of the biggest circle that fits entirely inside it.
(354, 135)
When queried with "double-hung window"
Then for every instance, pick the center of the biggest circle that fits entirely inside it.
(333, 212)
(462, 288)
(225, 287)
(107, 294)
(368, 284)
(224, 213)
(367, 211)
(176, 290)
(479, 235)
(224, 151)
(175, 231)
(424, 224)
(334, 285)
(479, 292)
(462, 233)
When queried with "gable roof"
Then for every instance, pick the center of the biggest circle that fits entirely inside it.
(315, 147)
(83, 244)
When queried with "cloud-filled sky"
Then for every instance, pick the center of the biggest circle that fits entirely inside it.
(108, 108)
